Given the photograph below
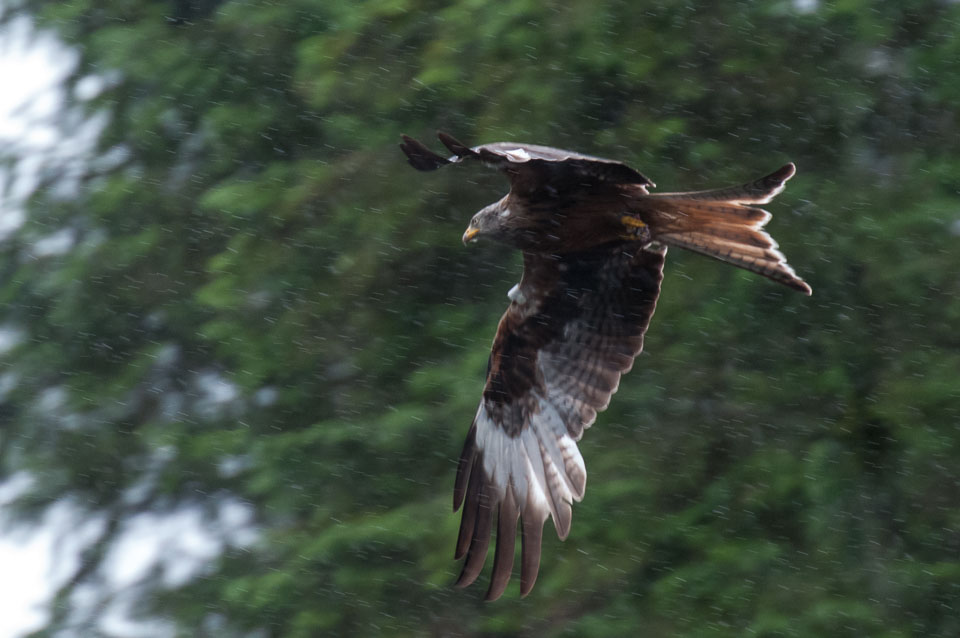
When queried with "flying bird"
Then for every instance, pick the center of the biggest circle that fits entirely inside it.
(594, 241)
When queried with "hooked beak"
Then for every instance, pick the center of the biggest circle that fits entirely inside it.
(470, 235)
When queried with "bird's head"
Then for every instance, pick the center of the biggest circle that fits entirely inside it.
(489, 222)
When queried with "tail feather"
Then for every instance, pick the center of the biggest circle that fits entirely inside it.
(747, 235)
(768, 262)
(719, 224)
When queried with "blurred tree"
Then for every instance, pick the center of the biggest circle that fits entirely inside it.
(264, 305)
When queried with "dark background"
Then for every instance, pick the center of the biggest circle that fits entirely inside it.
(775, 465)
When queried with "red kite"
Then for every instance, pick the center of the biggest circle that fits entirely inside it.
(594, 241)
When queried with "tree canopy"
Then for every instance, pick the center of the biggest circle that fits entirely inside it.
(262, 305)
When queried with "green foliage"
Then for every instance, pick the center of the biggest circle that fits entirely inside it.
(774, 466)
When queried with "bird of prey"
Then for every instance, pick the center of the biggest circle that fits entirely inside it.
(594, 241)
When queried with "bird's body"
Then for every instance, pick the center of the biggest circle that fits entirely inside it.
(567, 222)
(594, 242)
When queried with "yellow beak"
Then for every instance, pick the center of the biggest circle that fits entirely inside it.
(470, 235)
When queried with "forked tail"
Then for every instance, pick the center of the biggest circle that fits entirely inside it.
(725, 224)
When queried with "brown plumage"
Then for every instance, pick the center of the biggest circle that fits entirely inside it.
(593, 241)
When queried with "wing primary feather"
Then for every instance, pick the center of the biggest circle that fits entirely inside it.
(468, 522)
(464, 466)
(456, 147)
(480, 543)
(420, 157)
(506, 546)
(531, 542)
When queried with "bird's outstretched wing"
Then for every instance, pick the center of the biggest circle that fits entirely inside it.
(574, 326)
(529, 167)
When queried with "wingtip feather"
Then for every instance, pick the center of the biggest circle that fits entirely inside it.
(455, 146)
(464, 467)
(480, 541)
(419, 156)
(531, 542)
(506, 546)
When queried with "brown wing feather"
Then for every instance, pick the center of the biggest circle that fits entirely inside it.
(560, 350)
(421, 157)
(530, 167)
